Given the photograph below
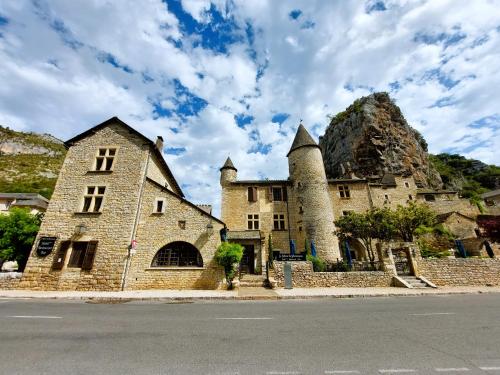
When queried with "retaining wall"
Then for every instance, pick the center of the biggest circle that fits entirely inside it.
(303, 276)
(460, 271)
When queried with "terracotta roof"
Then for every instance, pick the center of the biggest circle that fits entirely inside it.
(228, 165)
(302, 139)
(152, 145)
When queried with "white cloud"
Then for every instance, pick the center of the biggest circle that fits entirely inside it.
(308, 73)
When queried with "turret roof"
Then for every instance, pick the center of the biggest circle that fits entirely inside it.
(302, 139)
(228, 164)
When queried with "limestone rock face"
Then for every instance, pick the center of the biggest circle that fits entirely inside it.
(372, 137)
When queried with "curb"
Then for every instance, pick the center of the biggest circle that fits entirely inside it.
(125, 299)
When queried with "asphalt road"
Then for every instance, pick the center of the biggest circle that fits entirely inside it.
(415, 335)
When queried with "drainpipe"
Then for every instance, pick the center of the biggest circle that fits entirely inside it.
(136, 221)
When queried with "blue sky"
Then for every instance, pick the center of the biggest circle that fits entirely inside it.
(235, 77)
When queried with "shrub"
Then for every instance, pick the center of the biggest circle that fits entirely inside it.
(228, 255)
(319, 265)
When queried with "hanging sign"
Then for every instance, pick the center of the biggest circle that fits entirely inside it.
(45, 246)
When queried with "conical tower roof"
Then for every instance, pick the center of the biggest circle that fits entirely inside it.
(228, 164)
(302, 139)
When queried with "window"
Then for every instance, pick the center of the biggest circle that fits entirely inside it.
(344, 191)
(178, 254)
(279, 221)
(92, 201)
(347, 212)
(277, 193)
(410, 197)
(429, 197)
(82, 255)
(104, 159)
(407, 184)
(159, 206)
(182, 224)
(386, 197)
(253, 221)
(252, 194)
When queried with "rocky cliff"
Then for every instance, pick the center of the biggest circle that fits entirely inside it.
(371, 137)
(29, 162)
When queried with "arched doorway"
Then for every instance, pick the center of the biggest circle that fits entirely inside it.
(178, 254)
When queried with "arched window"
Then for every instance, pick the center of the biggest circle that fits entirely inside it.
(178, 254)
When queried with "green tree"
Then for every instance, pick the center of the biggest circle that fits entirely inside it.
(376, 223)
(229, 255)
(18, 230)
(406, 219)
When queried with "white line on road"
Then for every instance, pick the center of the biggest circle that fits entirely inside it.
(452, 369)
(429, 314)
(342, 372)
(35, 317)
(490, 368)
(396, 370)
(245, 319)
(282, 372)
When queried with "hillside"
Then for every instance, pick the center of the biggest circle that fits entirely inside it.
(372, 136)
(29, 162)
(469, 176)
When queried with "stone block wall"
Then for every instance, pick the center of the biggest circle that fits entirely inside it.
(460, 271)
(303, 276)
(10, 280)
(155, 230)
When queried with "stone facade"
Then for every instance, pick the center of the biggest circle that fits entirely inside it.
(312, 203)
(303, 276)
(460, 271)
(139, 177)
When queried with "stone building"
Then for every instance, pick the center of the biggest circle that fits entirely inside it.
(34, 202)
(305, 205)
(118, 219)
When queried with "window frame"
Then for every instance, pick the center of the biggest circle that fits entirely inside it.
(177, 255)
(92, 196)
(253, 221)
(252, 194)
(344, 191)
(155, 206)
(105, 157)
(279, 222)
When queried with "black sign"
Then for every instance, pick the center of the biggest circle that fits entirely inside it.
(45, 246)
(291, 258)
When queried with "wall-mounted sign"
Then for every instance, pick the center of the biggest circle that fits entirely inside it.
(291, 258)
(45, 246)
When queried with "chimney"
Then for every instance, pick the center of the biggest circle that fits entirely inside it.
(159, 144)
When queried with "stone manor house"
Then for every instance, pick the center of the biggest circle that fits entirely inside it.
(119, 220)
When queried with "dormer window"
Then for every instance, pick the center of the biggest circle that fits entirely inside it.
(104, 159)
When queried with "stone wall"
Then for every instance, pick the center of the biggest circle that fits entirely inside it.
(460, 271)
(112, 227)
(155, 230)
(10, 280)
(303, 276)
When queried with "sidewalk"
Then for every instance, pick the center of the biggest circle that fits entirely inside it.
(256, 294)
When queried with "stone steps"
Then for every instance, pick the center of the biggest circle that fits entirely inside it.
(415, 282)
(252, 281)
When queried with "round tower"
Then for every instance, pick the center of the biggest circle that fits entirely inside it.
(228, 172)
(312, 196)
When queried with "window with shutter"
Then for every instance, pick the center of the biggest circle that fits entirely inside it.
(270, 193)
(285, 195)
(88, 260)
(58, 262)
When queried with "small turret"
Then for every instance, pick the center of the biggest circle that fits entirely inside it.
(313, 203)
(228, 172)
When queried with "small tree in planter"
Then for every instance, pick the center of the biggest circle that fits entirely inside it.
(229, 255)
